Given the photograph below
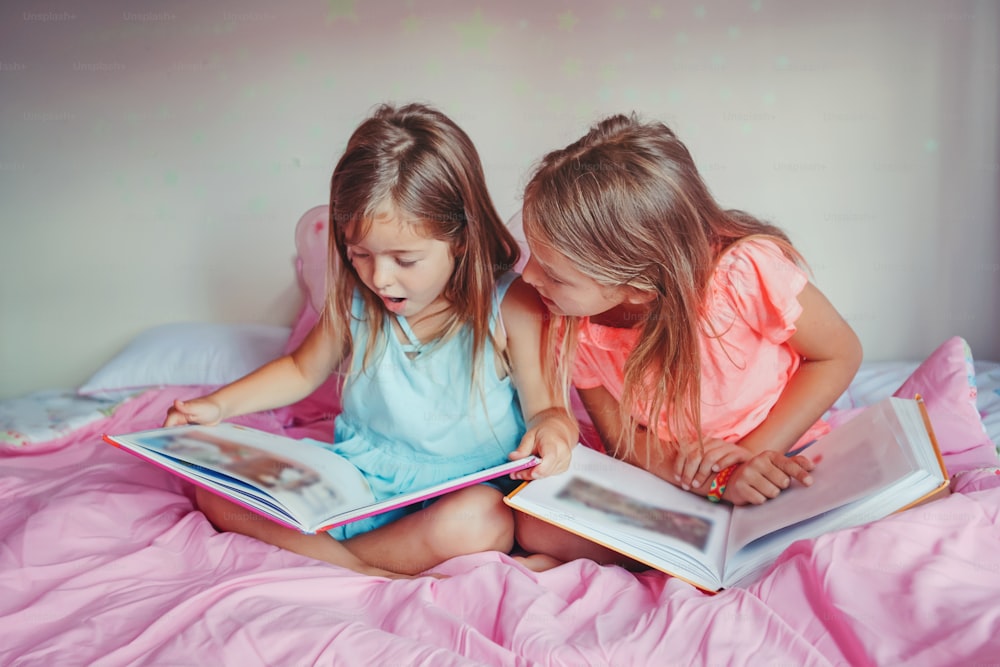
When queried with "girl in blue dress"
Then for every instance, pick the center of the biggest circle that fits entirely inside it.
(435, 332)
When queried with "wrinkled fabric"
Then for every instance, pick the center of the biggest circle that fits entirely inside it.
(104, 561)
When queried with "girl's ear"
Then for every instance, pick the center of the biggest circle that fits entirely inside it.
(637, 296)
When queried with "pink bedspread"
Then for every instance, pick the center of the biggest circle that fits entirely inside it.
(105, 562)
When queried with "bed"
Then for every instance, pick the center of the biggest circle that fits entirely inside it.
(105, 561)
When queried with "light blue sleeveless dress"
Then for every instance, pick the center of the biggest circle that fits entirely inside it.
(413, 419)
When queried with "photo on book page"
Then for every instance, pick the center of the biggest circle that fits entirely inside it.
(263, 469)
(694, 530)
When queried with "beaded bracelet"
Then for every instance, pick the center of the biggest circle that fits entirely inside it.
(718, 486)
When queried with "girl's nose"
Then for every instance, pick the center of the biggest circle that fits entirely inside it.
(530, 273)
(381, 274)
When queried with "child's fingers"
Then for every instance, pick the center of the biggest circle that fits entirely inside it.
(729, 459)
(195, 411)
(705, 470)
(696, 466)
(769, 482)
(798, 468)
(550, 445)
(686, 466)
(174, 418)
(524, 449)
(750, 496)
(713, 452)
(555, 457)
(765, 476)
(176, 415)
(741, 493)
(806, 462)
(556, 453)
(777, 472)
(718, 456)
(761, 478)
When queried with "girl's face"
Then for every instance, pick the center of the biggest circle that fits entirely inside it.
(400, 264)
(564, 288)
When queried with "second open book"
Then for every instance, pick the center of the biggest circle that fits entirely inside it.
(883, 460)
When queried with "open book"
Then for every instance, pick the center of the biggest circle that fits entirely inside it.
(296, 483)
(885, 459)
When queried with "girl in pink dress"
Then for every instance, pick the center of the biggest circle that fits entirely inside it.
(700, 349)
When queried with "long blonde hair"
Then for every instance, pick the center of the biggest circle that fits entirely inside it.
(627, 205)
(419, 161)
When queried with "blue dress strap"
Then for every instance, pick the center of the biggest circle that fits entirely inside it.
(413, 344)
(503, 284)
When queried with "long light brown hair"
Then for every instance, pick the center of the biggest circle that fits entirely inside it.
(419, 161)
(627, 205)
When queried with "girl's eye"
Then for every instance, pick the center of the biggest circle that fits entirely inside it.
(406, 263)
(353, 254)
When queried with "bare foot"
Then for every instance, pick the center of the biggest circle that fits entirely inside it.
(373, 571)
(379, 572)
(538, 562)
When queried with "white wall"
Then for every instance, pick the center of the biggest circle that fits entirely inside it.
(155, 156)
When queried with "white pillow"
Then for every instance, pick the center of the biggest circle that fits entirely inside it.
(187, 353)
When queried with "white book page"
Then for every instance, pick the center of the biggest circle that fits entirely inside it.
(311, 482)
(750, 561)
(855, 460)
(631, 510)
(440, 489)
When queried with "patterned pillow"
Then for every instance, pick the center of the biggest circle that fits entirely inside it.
(47, 415)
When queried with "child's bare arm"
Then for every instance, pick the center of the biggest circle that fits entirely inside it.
(552, 431)
(650, 453)
(831, 355)
(755, 479)
(277, 383)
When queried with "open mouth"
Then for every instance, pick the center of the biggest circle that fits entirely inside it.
(394, 303)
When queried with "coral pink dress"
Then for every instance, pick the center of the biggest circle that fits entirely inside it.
(753, 305)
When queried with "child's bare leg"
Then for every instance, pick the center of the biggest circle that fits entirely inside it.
(538, 562)
(230, 517)
(466, 521)
(549, 546)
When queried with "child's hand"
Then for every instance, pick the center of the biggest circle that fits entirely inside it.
(551, 437)
(765, 476)
(693, 468)
(195, 411)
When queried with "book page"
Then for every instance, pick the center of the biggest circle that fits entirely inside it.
(855, 460)
(426, 493)
(307, 480)
(630, 510)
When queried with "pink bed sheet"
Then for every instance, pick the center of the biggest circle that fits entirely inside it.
(105, 562)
